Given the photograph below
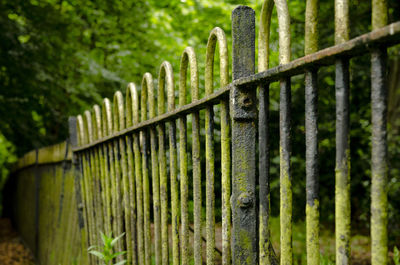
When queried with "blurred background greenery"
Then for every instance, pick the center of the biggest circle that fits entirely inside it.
(59, 57)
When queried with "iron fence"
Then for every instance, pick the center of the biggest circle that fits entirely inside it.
(133, 158)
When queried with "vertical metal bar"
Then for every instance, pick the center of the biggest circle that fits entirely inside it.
(379, 92)
(225, 167)
(189, 56)
(342, 171)
(217, 34)
(139, 199)
(118, 103)
(94, 175)
(146, 84)
(243, 112)
(312, 179)
(379, 201)
(98, 133)
(132, 196)
(91, 181)
(119, 112)
(173, 162)
(108, 167)
(266, 252)
(209, 128)
(84, 224)
(210, 197)
(311, 125)
(112, 150)
(163, 170)
(285, 172)
(154, 168)
(85, 187)
(342, 186)
(88, 181)
(138, 179)
(265, 246)
(267, 255)
(130, 92)
(96, 194)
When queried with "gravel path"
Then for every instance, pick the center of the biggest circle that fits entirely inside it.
(12, 250)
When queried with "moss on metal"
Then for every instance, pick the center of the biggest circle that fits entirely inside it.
(312, 219)
(286, 215)
(342, 210)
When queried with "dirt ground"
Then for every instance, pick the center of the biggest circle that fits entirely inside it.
(12, 250)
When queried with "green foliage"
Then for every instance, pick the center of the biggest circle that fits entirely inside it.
(396, 256)
(326, 260)
(106, 252)
(58, 58)
(7, 157)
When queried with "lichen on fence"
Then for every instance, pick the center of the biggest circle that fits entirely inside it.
(132, 168)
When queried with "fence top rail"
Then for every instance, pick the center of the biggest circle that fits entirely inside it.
(45, 155)
(386, 36)
(171, 115)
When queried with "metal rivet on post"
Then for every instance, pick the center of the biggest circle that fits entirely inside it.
(243, 113)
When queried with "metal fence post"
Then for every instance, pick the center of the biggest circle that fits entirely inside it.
(243, 113)
(73, 139)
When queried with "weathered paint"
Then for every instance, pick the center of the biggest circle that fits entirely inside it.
(379, 14)
(342, 171)
(243, 108)
(87, 176)
(379, 170)
(311, 125)
(98, 133)
(166, 67)
(107, 130)
(163, 170)
(106, 163)
(147, 84)
(138, 177)
(312, 167)
(118, 120)
(312, 219)
(218, 35)
(265, 248)
(130, 91)
(146, 91)
(342, 175)
(187, 57)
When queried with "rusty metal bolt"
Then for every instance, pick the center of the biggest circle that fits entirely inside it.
(246, 102)
(245, 200)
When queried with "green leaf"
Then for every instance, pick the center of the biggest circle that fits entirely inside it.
(103, 237)
(396, 256)
(92, 247)
(97, 254)
(122, 262)
(116, 239)
(118, 254)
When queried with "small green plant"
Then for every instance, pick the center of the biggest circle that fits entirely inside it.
(105, 252)
(396, 256)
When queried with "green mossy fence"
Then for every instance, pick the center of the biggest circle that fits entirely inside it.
(133, 170)
(44, 205)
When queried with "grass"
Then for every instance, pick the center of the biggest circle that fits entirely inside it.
(360, 244)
